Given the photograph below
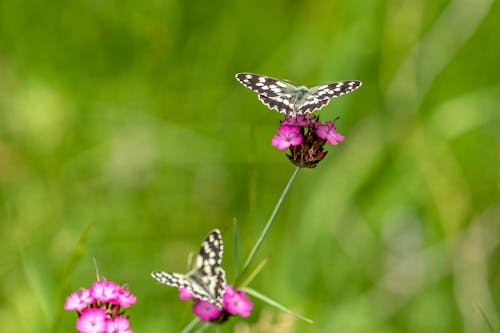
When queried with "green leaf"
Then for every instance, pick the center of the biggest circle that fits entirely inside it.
(275, 304)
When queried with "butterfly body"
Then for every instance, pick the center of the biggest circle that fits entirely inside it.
(207, 280)
(293, 101)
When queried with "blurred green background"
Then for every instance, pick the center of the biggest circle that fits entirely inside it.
(124, 117)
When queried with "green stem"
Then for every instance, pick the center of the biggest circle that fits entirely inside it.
(268, 224)
(191, 325)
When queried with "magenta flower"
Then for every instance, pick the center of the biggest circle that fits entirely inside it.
(79, 300)
(92, 321)
(288, 135)
(100, 309)
(185, 294)
(237, 302)
(118, 325)
(328, 132)
(206, 311)
(106, 291)
(125, 298)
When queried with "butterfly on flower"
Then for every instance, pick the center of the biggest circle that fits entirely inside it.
(207, 280)
(293, 101)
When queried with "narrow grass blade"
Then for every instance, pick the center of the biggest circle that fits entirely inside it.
(275, 304)
(488, 323)
(68, 272)
(254, 273)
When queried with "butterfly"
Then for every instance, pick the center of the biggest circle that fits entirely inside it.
(293, 101)
(207, 280)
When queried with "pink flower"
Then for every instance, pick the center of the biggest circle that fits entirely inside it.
(118, 325)
(300, 120)
(125, 298)
(106, 291)
(236, 302)
(79, 300)
(328, 132)
(185, 294)
(206, 311)
(288, 135)
(100, 309)
(92, 321)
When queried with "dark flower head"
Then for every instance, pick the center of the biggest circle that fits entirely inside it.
(306, 137)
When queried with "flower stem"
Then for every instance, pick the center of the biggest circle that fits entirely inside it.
(191, 325)
(268, 224)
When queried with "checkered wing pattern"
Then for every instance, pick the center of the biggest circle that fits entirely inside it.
(285, 98)
(207, 280)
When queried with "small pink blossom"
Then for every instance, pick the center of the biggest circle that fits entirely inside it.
(328, 132)
(237, 302)
(288, 135)
(79, 300)
(119, 324)
(125, 298)
(206, 311)
(185, 294)
(106, 291)
(92, 321)
(100, 308)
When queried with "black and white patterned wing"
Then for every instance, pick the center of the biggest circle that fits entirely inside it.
(276, 94)
(319, 96)
(209, 287)
(172, 279)
(207, 280)
(208, 276)
(210, 255)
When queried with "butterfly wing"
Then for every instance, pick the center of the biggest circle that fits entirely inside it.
(274, 93)
(209, 287)
(319, 96)
(172, 279)
(207, 280)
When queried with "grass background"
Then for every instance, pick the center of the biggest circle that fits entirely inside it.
(125, 137)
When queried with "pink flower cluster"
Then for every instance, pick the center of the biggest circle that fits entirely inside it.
(99, 308)
(290, 132)
(306, 137)
(235, 302)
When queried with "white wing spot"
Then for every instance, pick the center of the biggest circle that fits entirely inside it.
(248, 76)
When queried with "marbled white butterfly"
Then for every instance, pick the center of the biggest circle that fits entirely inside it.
(207, 280)
(293, 101)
